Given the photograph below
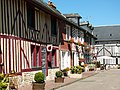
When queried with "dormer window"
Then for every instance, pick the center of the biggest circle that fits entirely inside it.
(110, 34)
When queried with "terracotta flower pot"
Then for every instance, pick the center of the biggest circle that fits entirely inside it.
(38, 86)
(59, 79)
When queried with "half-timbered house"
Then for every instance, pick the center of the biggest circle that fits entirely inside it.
(89, 38)
(77, 41)
(70, 50)
(29, 36)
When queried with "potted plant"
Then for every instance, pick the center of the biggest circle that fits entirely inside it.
(76, 72)
(118, 66)
(65, 71)
(102, 67)
(97, 65)
(91, 67)
(59, 78)
(39, 83)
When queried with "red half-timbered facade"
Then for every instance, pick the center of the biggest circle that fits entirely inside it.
(26, 28)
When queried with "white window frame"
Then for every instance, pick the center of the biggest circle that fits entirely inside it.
(76, 35)
(68, 32)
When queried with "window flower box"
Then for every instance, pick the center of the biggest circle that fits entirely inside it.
(79, 43)
(84, 44)
(71, 40)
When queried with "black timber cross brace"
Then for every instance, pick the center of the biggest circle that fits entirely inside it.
(18, 13)
(105, 49)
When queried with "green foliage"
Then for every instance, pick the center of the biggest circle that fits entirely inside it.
(3, 85)
(102, 67)
(91, 66)
(1, 77)
(118, 66)
(3, 81)
(76, 69)
(65, 70)
(59, 74)
(39, 77)
(97, 64)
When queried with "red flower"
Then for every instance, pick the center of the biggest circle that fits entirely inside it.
(84, 44)
(72, 40)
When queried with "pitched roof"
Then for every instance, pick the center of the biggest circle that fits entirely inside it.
(111, 32)
(72, 15)
(46, 8)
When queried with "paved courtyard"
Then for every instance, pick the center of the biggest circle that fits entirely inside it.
(105, 80)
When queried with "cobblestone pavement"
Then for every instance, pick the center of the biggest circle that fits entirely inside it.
(105, 80)
(51, 85)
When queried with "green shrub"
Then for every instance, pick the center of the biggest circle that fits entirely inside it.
(72, 70)
(65, 70)
(80, 71)
(118, 66)
(1, 76)
(3, 81)
(59, 74)
(102, 68)
(97, 64)
(3, 85)
(39, 77)
(91, 66)
(76, 69)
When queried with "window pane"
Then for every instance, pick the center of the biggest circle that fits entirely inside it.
(53, 26)
(53, 58)
(67, 32)
(37, 56)
(30, 16)
(48, 58)
(32, 56)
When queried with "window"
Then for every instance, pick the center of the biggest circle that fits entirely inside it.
(68, 34)
(35, 56)
(53, 26)
(53, 58)
(32, 56)
(49, 59)
(110, 34)
(75, 34)
(30, 16)
(62, 59)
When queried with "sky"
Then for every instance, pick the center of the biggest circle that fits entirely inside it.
(97, 12)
